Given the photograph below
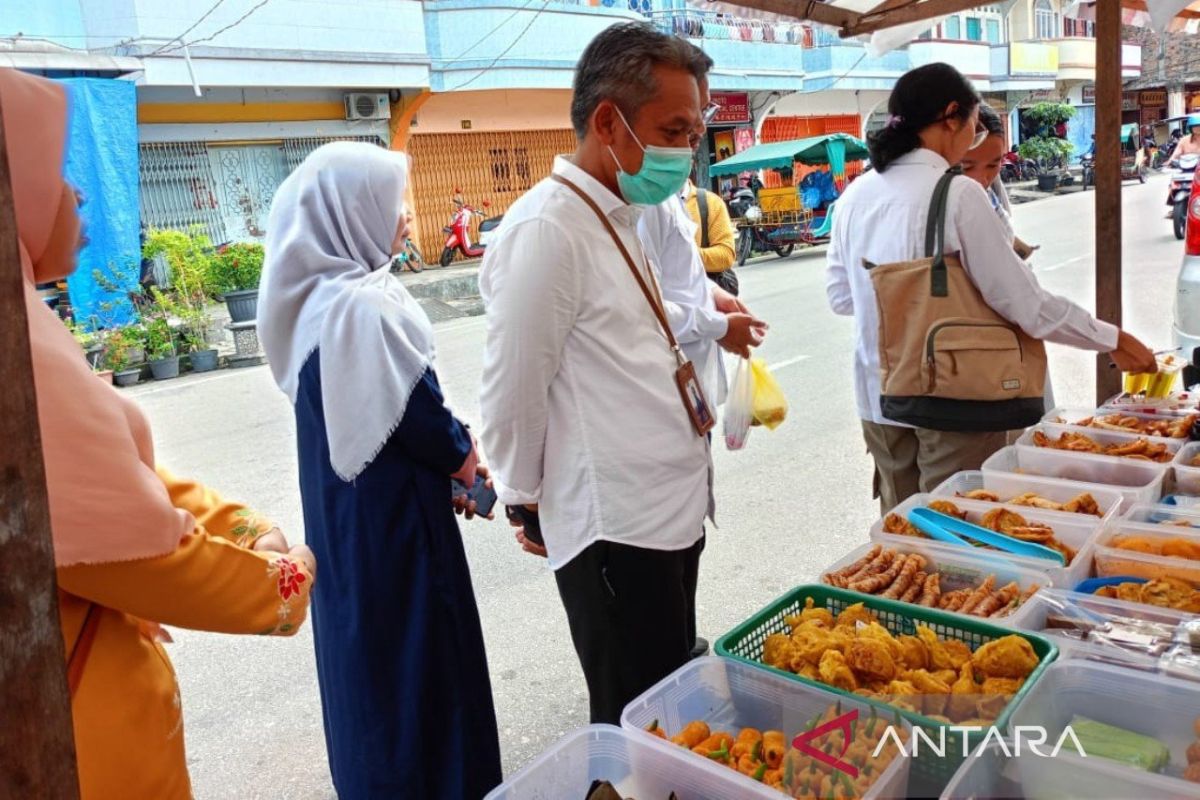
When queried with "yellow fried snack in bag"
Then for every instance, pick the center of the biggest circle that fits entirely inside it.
(770, 406)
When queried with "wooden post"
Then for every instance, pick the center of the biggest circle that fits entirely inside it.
(1108, 184)
(37, 745)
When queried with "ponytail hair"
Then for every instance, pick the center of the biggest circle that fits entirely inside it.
(919, 100)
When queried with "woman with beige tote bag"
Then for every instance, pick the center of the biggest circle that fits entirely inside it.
(949, 320)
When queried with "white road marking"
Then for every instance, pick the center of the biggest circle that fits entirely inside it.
(787, 363)
(1062, 264)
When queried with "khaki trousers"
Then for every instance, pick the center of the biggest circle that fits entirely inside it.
(909, 461)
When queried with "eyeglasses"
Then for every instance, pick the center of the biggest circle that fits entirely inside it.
(710, 113)
(981, 134)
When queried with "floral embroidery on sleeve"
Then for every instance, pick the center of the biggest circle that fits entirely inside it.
(290, 581)
(250, 527)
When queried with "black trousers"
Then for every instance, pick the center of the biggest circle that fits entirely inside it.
(632, 616)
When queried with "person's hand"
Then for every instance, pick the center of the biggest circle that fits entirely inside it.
(272, 541)
(727, 303)
(528, 546)
(465, 505)
(301, 553)
(1133, 356)
(744, 332)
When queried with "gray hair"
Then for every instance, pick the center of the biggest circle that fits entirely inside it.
(618, 65)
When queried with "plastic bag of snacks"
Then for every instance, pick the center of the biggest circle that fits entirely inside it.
(770, 406)
(739, 407)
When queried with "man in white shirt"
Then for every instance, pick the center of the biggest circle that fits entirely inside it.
(582, 416)
(704, 317)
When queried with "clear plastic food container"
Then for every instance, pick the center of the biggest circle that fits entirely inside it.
(1168, 517)
(1151, 705)
(1176, 404)
(1009, 485)
(989, 773)
(1069, 417)
(729, 696)
(1074, 530)
(1187, 469)
(1112, 561)
(1149, 639)
(637, 766)
(1137, 481)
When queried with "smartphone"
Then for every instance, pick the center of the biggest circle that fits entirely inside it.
(529, 521)
(483, 495)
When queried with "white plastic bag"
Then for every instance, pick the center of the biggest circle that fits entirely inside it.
(739, 407)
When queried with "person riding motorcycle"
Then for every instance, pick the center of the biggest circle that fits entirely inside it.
(1188, 145)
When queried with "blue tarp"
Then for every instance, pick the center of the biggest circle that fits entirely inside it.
(102, 162)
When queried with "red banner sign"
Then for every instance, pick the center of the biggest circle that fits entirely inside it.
(735, 108)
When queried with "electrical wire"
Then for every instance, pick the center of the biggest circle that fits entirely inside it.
(487, 35)
(192, 27)
(506, 50)
(216, 33)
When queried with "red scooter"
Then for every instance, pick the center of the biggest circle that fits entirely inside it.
(458, 232)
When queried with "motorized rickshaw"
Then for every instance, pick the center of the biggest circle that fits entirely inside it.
(792, 215)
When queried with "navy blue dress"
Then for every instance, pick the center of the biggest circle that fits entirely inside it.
(405, 691)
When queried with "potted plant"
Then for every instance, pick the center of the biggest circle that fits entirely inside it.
(1048, 149)
(203, 357)
(124, 353)
(190, 257)
(160, 348)
(236, 271)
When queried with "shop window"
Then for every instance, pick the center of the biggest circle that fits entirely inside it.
(501, 171)
(993, 31)
(953, 28)
(1045, 20)
(974, 29)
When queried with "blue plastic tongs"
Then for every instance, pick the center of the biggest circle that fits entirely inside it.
(945, 528)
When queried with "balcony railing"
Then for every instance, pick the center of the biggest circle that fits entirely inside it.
(693, 23)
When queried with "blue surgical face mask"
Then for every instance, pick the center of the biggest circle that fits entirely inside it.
(664, 172)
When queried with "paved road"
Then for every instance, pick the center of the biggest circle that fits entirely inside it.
(790, 503)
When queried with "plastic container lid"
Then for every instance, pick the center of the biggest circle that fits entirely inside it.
(729, 696)
(637, 767)
(1152, 705)
(1137, 481)
(987, 774)
(1163, 516)
(1187, 476)
(1008, 485)
(1078, 531)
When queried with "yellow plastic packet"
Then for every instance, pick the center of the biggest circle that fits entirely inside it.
(770, 406)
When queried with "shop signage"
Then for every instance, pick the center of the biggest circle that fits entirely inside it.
(735, 108)
(1032, 58)
(1129, 102)
(1089, 94)
(1152, 99)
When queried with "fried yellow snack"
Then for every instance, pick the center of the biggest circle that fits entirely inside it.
(871, 659)
(949, 654)
(1007, 657)
(836, 672)
(963, 694)
(855, 614)
(881, 634)
(809, 643)
(913, 652)
(778, 651)
(1181, 548)
(810, 614)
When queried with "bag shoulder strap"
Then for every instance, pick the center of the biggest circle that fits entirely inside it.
(82, 648)
(655, 306)
(702, 204)
(935, 235)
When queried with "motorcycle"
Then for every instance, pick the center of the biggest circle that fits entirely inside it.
(458, 232)
(1088, 163)
(1013, 168)
(743, 200)
(1181, 190)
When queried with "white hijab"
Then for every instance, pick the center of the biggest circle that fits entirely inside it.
(326, 283)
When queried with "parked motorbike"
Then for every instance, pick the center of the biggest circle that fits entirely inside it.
(1013, 168)
(458, 232)
(1180, 191)
(1088, 178)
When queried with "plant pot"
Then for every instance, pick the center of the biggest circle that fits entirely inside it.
(242, 305)
(204, 360)
(105, 375)
(136, 355)
(1047, 183)
(127, 377)
(165, 368)
(94, 354)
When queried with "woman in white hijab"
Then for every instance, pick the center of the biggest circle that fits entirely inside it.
(400, 657)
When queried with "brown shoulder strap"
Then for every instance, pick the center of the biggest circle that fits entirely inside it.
(82, 647)
(655, 304)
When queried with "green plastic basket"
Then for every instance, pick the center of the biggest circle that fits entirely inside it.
(930, 773)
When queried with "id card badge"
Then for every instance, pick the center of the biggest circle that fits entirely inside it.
(697, 406)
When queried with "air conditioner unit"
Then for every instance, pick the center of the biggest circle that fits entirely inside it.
(363, 105)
